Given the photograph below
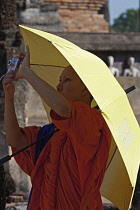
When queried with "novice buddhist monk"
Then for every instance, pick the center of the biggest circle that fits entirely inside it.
(68, 169)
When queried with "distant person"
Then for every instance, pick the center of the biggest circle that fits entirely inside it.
(110, 63)
(131, 70)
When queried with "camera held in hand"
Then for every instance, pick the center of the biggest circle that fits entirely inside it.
(13, 64)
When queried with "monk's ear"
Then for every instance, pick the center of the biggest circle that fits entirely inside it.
(85, 91)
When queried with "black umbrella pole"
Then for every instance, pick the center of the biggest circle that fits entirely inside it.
(8, 157)
(5, 159)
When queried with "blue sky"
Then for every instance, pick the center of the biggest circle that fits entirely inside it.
(116, 7)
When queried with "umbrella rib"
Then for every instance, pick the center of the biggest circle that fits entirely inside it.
(46, 65)
(111, 158)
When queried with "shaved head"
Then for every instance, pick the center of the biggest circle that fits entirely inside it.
(72, 87)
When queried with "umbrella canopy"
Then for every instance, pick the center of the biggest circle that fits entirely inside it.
(50, 54)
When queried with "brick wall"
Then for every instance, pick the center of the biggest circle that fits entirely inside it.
(82, 15)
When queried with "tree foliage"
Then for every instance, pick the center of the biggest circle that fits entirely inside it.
(127, 22)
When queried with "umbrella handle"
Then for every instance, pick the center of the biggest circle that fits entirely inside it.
(128, 90)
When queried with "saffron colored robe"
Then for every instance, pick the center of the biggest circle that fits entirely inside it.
(70, 169)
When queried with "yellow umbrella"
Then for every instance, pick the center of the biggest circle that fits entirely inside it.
(50, 54)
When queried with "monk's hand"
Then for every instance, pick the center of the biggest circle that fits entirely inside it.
(8, 84)
(24, 68)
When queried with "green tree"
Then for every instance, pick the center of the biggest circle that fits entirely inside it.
(127, 22)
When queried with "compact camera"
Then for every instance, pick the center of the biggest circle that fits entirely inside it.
(13, 64)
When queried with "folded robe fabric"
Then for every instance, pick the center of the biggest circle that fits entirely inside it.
(49, 129)
(70, 169)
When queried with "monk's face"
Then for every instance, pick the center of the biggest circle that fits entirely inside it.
(70, 85)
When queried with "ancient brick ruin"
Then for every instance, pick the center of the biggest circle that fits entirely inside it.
(69, 15)
(83, 15)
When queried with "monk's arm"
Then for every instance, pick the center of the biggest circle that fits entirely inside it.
(51, 96)
(14, 136)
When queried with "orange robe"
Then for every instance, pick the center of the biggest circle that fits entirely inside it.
(70, 169)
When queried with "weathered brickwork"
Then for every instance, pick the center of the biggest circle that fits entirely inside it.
(80, 4)
(83, 21)
(82, 15)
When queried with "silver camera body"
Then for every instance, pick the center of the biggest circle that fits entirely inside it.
(13, 64)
